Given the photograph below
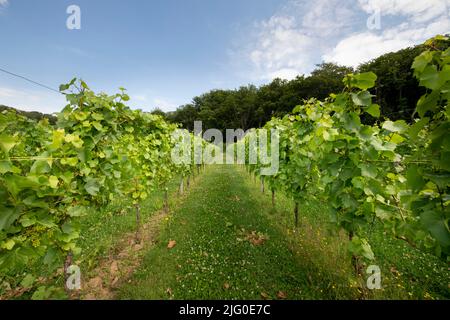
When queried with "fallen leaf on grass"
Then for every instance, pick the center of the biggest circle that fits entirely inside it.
(171, 244)
(394, 271)
(256, 238)
(114, 267)
(264, 295)
(281, 295)
(114, 282)
(96, 282)
(257, 241)
(226, 285)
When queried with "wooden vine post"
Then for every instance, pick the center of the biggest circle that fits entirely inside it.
(166, 201)
(181, 190)
(67, 263)
(262, 185)
(273, 197)
(355, 260)
(138, 223)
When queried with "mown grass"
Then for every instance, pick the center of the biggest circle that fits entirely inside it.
(103, 227)
(213, 260)
(407, 273)
(100, 231)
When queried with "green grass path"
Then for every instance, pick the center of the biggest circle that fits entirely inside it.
(225, 248)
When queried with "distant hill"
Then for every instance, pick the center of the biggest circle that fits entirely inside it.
(31, 114)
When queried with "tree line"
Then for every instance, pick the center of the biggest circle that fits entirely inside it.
(34, 115)
(396, 90)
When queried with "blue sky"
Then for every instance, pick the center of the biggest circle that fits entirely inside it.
(165, 52)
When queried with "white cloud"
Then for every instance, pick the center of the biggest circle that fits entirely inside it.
(146, 100)
(304, 33)
(364, 46)
(71, 50)
(418, 11)
(285, 73)
(280, 47)
(164, 104)
(327, 18)
(48, 102)
(288, 43)
(7, 92)
(3, 6)
(140, 97)
(31, 100)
